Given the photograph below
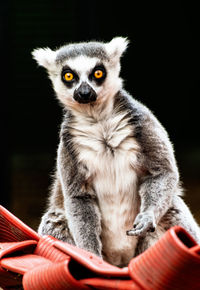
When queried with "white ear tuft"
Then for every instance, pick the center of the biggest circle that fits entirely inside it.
(117, 46)
(44, 56)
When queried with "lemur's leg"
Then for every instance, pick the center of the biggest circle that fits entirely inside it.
(54, 221)
(158, 186)
(156, 198)
(80, 200)
(169, 219)
(178, 214)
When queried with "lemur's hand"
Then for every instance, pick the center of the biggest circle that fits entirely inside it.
(144, 222)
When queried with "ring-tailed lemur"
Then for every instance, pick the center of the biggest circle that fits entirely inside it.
(116, 188)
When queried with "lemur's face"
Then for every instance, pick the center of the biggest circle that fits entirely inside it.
(85, 72)
(83, 78)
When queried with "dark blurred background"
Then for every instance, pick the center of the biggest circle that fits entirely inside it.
(161, 69)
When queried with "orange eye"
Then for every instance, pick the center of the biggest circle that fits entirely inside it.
(98, 74)
(68, 76)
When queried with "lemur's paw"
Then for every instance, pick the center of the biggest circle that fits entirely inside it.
(144, 222)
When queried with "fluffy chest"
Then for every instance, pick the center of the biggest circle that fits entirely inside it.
(107, 147)
(109, 151)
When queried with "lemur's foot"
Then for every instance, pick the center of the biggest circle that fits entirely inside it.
(144, 222)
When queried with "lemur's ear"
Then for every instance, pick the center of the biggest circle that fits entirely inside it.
(116, 47)
(44, 57)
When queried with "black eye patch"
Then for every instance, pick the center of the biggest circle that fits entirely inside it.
(69, 77)
(98, 74)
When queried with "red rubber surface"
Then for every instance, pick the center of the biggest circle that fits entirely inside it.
(46, 249)
(101, 283)
(51, 277)
(36, 263)
(172, 263)
(92, 262)
(14, 230)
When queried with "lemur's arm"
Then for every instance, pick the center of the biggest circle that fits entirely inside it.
(79, 199)
(158, 186)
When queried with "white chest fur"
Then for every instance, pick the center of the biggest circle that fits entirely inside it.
(109, 151)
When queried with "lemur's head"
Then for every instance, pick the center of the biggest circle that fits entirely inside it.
(84, 73)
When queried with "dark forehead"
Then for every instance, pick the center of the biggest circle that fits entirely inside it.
(89, 49)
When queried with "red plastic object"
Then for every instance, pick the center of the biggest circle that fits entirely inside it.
(36, 263)
(14, 230)
(46, 263)
(92, 262)
(172, 263)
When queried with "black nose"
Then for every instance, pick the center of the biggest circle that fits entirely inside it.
(85, 94)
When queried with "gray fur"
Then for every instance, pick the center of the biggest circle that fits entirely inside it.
(90, 49)
(76, 210)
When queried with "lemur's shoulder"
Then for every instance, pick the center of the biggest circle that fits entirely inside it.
(141, 115)
(124, 101)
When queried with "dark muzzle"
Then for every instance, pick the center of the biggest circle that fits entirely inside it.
(85, 94)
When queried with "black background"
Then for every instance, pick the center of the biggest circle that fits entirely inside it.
(161, 68)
